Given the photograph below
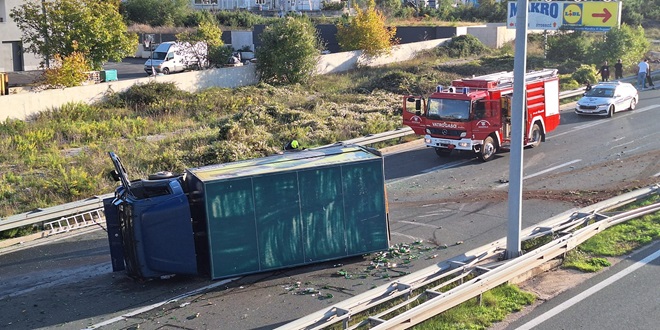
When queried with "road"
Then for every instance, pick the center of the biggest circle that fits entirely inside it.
(453, 204)
(625, 296)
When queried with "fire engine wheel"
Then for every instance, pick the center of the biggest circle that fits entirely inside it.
(442, 152)
(610, 111)
(488, 149)
(536, 137)
(166, 71)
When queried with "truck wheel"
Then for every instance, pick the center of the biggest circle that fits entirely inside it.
(166, 71)
(442, 152)
(610, 111)
(537, 136)
(488, 149)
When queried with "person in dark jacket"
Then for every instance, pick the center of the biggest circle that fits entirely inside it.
(618, 70)
(605, 71)
(649, 79)
(293, 145)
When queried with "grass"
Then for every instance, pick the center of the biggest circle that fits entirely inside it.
(495, 305)
(615, 241)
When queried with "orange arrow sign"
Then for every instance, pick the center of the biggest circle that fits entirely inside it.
(606, 15)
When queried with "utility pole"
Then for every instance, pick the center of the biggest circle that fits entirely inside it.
(517, 124)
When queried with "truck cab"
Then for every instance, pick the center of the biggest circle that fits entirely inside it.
(166, 58)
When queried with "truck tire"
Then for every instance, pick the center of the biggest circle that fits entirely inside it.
(536, 136)
(166, 71)
(442, 152)
(488, 149)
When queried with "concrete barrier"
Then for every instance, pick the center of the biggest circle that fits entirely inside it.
(22, 105)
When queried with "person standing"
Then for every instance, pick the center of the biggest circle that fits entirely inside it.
(642, 70)
(605, 71)
(618, 70)
(649, 79)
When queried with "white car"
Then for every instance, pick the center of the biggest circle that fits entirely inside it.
(606, 98)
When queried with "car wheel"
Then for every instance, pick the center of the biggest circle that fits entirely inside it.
(442, 152)
(166, 71)
(633, 104)
(610, 111)
(488, 149)
(537, 136)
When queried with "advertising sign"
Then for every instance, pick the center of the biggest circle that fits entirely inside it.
(552, 15)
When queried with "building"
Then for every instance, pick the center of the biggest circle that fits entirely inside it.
(12, 57)
(258, 5)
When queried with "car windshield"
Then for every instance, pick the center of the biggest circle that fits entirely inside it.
(159, 55)
(600, 92)
(447, 109)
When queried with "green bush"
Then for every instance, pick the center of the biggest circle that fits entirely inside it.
(239, 18)
(585, 73)
(463, 46)
(140, 96)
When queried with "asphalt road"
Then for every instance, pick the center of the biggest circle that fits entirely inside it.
(625, 296)
(67, 283)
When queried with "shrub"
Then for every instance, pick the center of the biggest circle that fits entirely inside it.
(67, 71)
(585, 73)
(463, 46)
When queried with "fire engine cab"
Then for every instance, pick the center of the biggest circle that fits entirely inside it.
(474, 114)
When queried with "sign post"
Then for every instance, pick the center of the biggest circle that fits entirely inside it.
(148, 43)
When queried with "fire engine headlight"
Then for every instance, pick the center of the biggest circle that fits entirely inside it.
(463, 134)
(427, 140)
(463, 144)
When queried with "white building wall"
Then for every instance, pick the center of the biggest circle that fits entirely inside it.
(9, 33)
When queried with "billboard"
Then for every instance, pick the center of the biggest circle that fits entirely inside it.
(553, 15)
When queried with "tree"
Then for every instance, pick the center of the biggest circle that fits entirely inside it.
(96, 27)
(366, 32)
(157, 12)
(289, 51)
(569, 46)
(207, 34)
(625, 43)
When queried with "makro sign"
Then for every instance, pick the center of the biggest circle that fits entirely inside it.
(590, 16)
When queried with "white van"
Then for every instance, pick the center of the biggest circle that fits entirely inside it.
(170, 57)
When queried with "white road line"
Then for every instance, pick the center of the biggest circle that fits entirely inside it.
(433, 169)
(543, 172)
(417, 224)
(432, 214)
(570, 302)
(621, 145)
(156, 305)
(413, 238)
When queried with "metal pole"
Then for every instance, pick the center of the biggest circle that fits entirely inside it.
(517, 123)
(45, 32)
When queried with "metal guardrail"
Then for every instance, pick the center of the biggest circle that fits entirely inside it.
(96, 203)
(51, 213)
(429, 301)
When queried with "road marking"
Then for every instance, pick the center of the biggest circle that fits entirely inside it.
(413, 238)
(543, 172)
(158, 304)
(570, 302)
(417, 224)
(433, 169)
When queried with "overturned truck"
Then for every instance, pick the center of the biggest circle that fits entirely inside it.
(249, 216)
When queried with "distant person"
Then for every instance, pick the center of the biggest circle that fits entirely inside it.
(588, 88)
(649, 79)
(618, 70)
(605, 71)
(293, 145)
(642, 71)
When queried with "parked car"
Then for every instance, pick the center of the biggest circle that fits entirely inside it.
(606, 98)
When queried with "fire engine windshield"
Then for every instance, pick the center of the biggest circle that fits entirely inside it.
(448, 109)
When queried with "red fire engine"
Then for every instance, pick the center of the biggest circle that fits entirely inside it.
(475, 113)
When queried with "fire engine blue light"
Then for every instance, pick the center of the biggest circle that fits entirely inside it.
(438, 89)
(466, 90)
